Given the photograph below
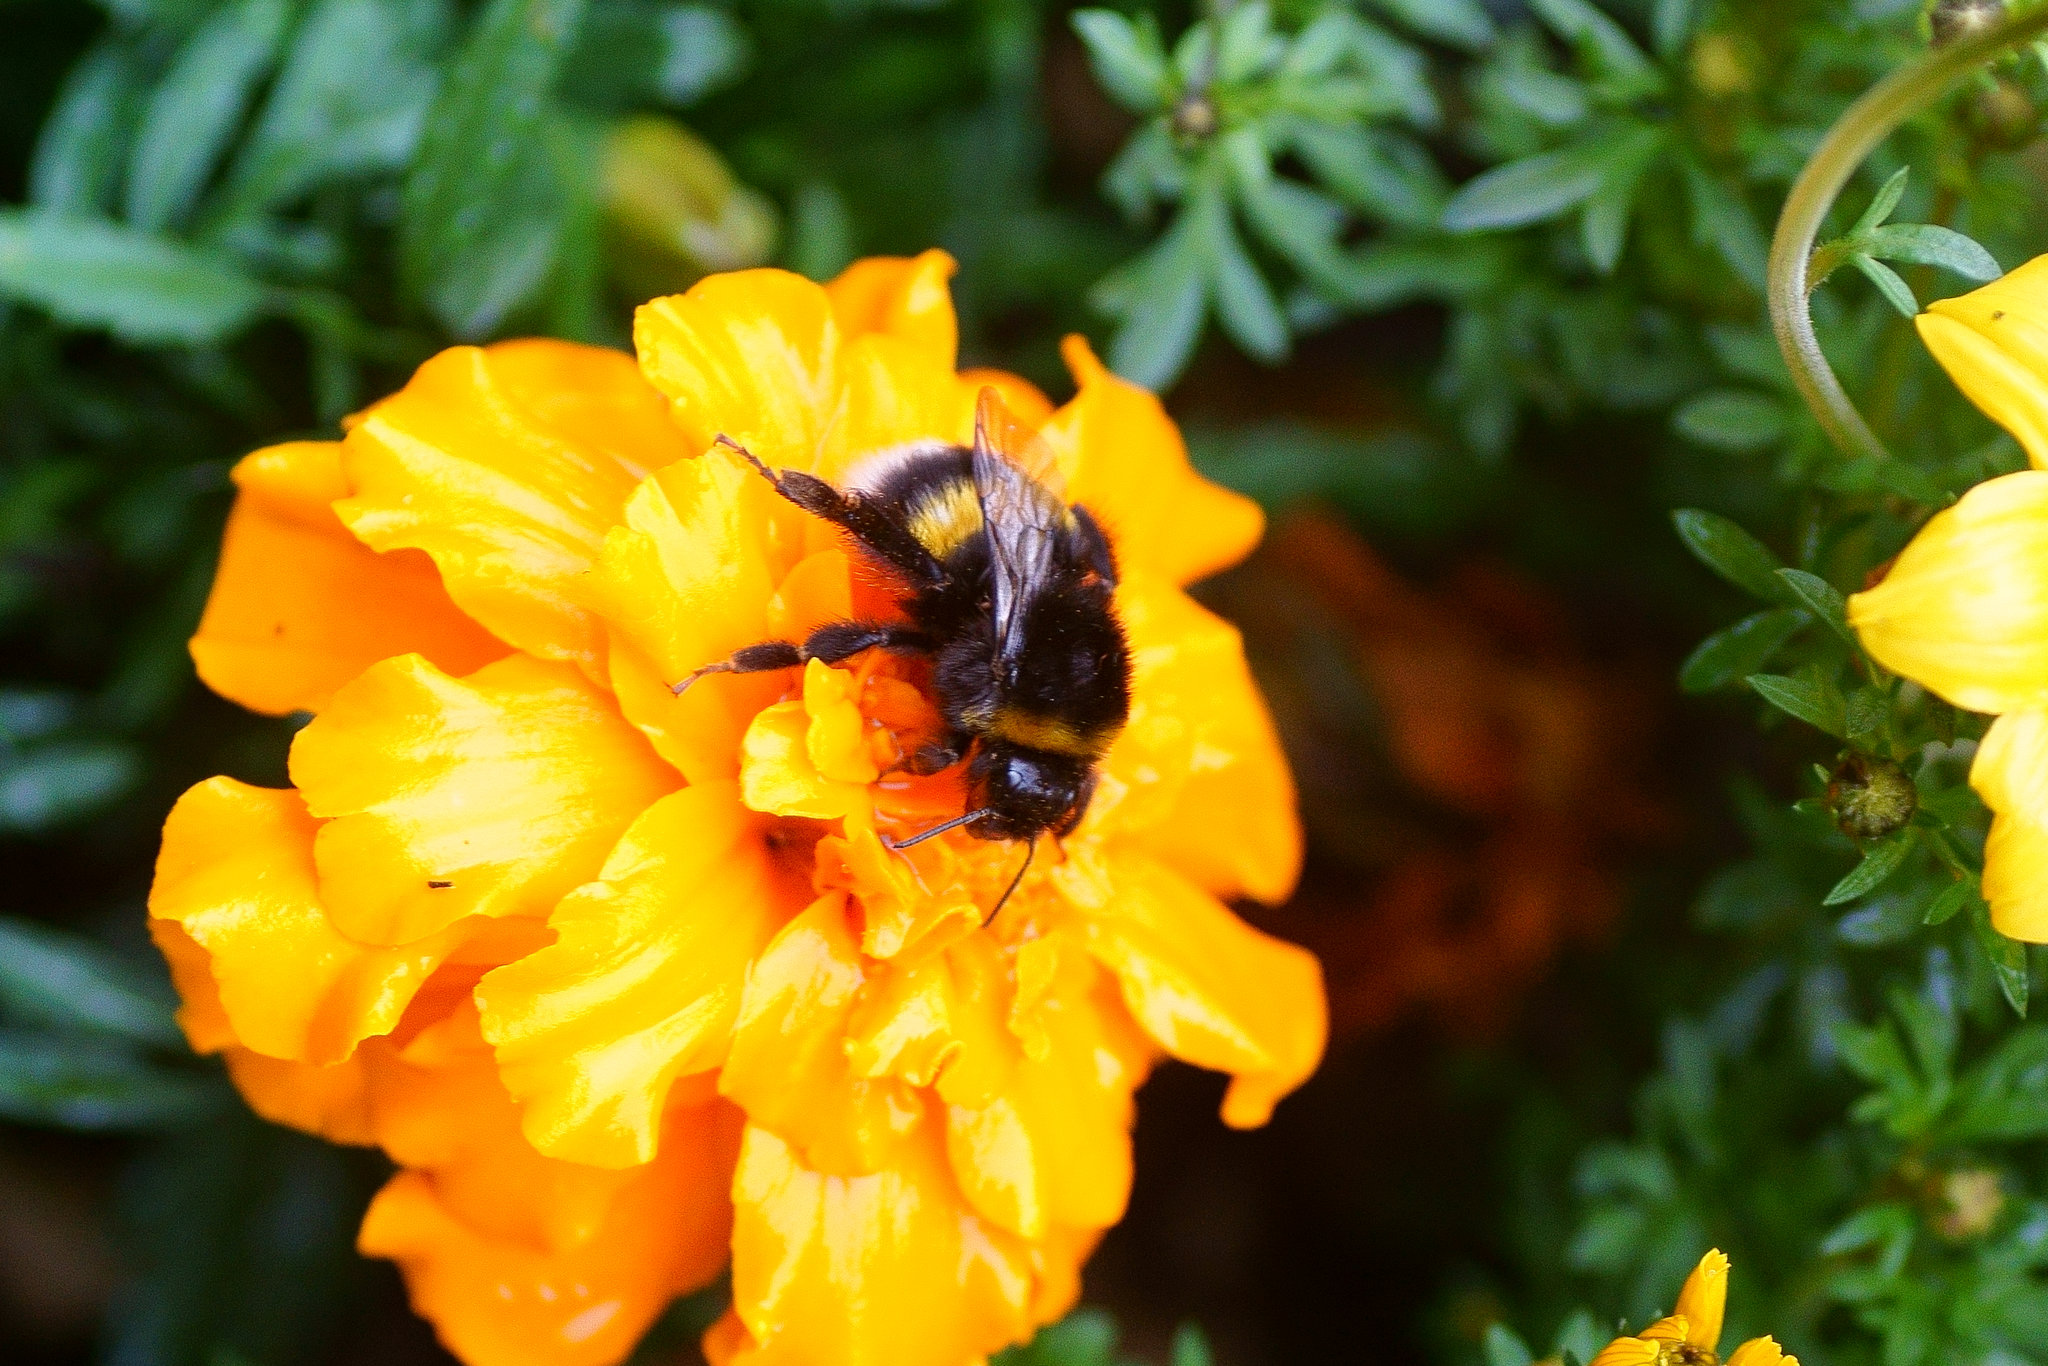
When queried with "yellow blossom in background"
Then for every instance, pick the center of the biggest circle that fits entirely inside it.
(1964, 610)
(626, 982)
(1691, 1336)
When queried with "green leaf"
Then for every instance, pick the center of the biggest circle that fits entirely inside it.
(1881, 207)
(1190, 1347)
(1379, 173)
(1246, 45)
(632, 53)
(1924, 244)
(1951, 902)
(1880, 861)
(1733, 654)
(1604, 43)
(1160, 298)
(52, 784)
(322, 120)
(1504, 1347)
(196, 107)
(77, 165)
(66, 982)
(1802, 697)
(1671, 23)
(2004, 1099)
(1244, 304)
(1604, 226)
(1731, 552)
(1086, 1337)
(1723, 221)
(1896, 291)
(2008, 959)
(1126, 56)
(143, 289)
(483, 209)
(87, 1083)
(1732, 420)
(1819, 597)
(1459, 23)
(1532, 190)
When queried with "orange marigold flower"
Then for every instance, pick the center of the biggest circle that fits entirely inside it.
(629, 982)
(1692, 1335)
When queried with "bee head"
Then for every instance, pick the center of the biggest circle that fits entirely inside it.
(1025, 791)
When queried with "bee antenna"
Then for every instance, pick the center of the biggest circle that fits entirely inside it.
(996, 910)
(940, 829)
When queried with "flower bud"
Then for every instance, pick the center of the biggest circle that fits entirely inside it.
(1967, 1203)
(1194, 117)
(1952, 20)
(2001, 114)
(674, 211)
(1871, 798)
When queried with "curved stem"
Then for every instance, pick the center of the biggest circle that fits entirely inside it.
(1855, 135)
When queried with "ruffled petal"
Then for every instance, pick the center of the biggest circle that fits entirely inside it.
(643, 982)
(236, 874)
(1050, 1143)
(333, 1101)
(890, 1269)
(1208, 988)
(299, 606)
(1198, 773)
(499, 1301)
(1761, 1352)
(507, 465)
(1994, 344)
(901, 296)
(1703, 1302)
(1626, 1352)
(752, 355)
(709, 560)
(1964, 609)
(1125, 462)
(491, 795)
(2011, 775)
(789, 1067)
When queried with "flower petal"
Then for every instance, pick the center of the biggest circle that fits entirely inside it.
(499, 1301)
(2011, 774)
(299, 606)
(1994, 344)
(1208, 988)
(1964, 610)
(236, 874)
(752, 355)
(1125, 461)
(1198, 772)
(1052, 1145)
(507, 464)
(1703, 1302)
(789, 1067)
(1761, 1352)
(890, 1269)
(491, 795)
(1626, 1352)
(902, 296)
(643, 982)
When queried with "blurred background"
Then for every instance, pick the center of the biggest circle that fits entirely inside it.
(1467, 294)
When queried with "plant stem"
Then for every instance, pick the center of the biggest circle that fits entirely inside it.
(1855, 135)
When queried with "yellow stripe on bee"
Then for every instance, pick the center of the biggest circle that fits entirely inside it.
(1048, 733)
(946, 517)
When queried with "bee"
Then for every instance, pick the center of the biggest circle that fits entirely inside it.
(1008, 591)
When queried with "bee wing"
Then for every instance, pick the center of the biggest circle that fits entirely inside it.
(1015, 477)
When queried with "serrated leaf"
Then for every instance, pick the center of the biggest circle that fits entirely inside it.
(1925, 244)
(1819, 597)
(1731, 552)
(196, 107)
(1126, 56)
(1733, 654)
(1804, 699)
(1880, 861)
(1732, 420)
(1532, 190)
(1896, 291)
(64, 982)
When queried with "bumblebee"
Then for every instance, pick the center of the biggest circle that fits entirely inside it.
(1008, 591)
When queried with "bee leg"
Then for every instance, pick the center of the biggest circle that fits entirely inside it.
(884, 535)
(942, 753)
(1073, 819)
(830, 643)
(1095, 548)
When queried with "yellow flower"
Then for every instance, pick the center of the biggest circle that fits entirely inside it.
(625, 981)
(1692, 1335)
(1964, 610)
